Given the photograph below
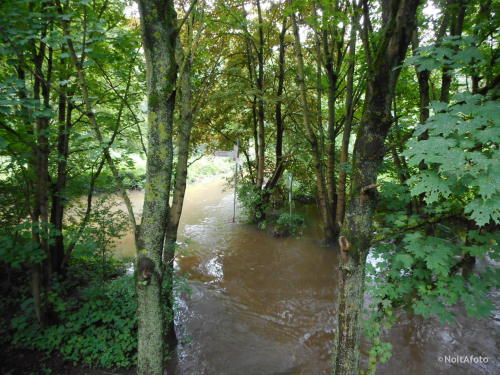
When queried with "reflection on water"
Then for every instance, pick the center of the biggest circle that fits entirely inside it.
(263, 305)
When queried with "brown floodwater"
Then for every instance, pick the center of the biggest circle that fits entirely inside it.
(264, 305)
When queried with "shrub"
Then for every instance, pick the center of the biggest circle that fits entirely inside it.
(252, 200)
(289, 225)
(100, 330)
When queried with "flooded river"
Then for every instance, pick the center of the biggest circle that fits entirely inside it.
(263, 305)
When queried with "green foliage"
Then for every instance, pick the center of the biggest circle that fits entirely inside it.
(134, 180)
(252, 201)
(453, 52)
(380, 351)
(444, 217)
(462, 156)
(99, 330)
(105, 224)
(422, 273)
(17, 248)
(289, 225)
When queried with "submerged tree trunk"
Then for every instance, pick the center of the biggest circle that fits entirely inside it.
(398, 24)
(159, 33)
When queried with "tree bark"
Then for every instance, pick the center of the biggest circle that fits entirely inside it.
(159, 34)
(398, 18)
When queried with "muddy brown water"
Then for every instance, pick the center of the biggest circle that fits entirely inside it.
(263, 305)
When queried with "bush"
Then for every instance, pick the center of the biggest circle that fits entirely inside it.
(252, 200)
(289, 225)
(99, 330)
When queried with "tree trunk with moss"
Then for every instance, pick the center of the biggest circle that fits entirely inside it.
(158, 23)
(398, 24)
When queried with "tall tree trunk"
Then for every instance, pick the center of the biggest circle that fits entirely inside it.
(279, 93)
(319, 83)
(398, 18)
(40, 216)
(332, 77)
(65, 109)
(183, 138)
(159, 33)
(312, 138)
(35, 268)
(280, 166)
(423, 84)
(346, 136)
(254, 122)
(260, 102)
(58, 191)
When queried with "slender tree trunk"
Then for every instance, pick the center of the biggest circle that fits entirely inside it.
(315, 148)
(65, 109)
(319, 83)
(88, 211)
(82, 81)
(346, 136)
(484, 15)
(254, 122)
(183, 138)
(159, 33)
(279, 93)
(35, 268)
(330, 142)
(423, 84)
(260, 102)
(280, 166)
(40, 216)
(398, 24)
(456, 26)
